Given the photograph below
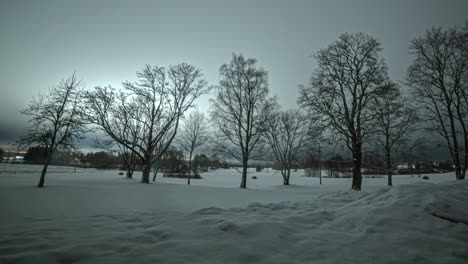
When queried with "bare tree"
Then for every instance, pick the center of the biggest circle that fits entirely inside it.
(56, 121)
(129, 159)
(340, 90)
(289, 134)
(438, 78)
(144, 117)
(394, 120)
(193, 135)
(240, 111)
(411, 149)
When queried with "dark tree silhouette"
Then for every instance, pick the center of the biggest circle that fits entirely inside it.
(202, 162)
(35, 155)
(172, 161)
(289, 134)
(56, 120)
(340, 90)
(394, 120)
(144, 117)
(193, 135)
(438, 78)
(240, 111)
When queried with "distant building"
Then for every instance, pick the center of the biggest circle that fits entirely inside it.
(428, 166)
(10, 157)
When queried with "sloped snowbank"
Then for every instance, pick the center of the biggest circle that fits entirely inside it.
(384, 225)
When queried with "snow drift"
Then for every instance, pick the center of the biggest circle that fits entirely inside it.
(412, 223)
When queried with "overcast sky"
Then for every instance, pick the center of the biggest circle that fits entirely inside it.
(106, 42)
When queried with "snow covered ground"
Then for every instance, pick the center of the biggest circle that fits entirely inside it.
(96, 216)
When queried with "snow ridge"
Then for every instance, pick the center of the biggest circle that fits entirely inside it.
(389, 225)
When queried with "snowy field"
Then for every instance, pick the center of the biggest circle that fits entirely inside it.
(93, 216)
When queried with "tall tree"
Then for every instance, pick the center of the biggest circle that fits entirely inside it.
(341, 88)
(394, 119)
(144, 117)
(193, 135)
(240, 111)
(55, 120)
(438, 79)
(289, 134)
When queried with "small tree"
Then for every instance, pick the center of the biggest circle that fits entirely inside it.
(394, 119)
(56, 121)
(240, 111)
(129, 159)
(1, 155)
(289, 134)
(193, 135)
(201, 162)
(172, 160)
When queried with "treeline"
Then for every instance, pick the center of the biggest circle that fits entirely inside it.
(172, 161)
(350, 101)
(372, 164)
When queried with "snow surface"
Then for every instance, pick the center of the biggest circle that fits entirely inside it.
(94, 216)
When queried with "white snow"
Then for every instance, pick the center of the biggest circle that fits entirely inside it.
(96, 216)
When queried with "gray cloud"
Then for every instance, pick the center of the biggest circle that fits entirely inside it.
(105, 42)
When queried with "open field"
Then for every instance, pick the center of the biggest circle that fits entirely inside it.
(96, 216)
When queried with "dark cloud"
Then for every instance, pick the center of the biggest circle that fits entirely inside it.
(105, 42)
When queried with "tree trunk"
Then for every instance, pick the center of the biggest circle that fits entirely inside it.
(42, 179)
(320, 164)
(243, 184)
(357, 160)
(283, 174)
(458, 172)
(156, 169)
(44, 171)
(456, 153)
(388, 166)
(286, 175)
(389, 175)
(320, 171)
(465, 160)
(146, 172)
(189, 168)
(129, 173)
(76, 164)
